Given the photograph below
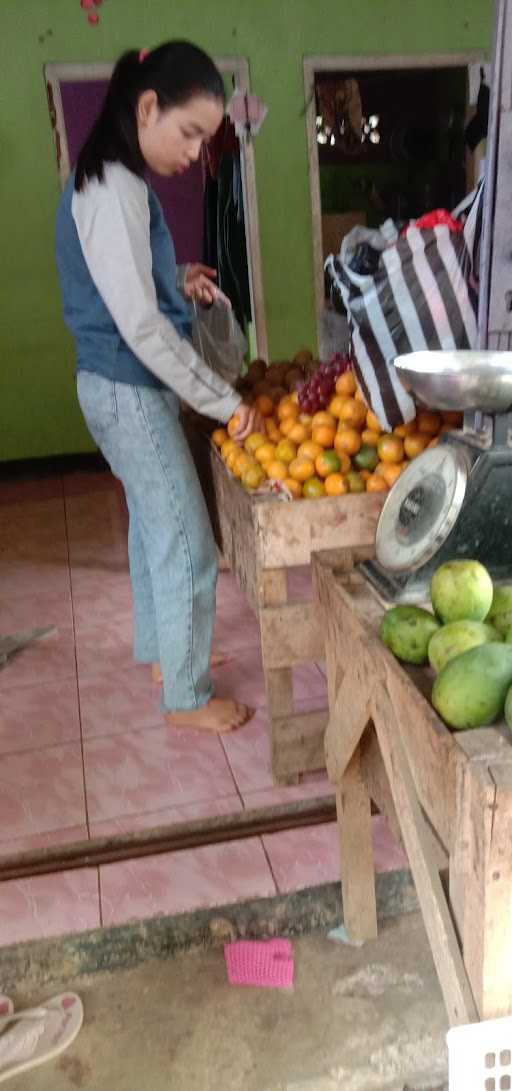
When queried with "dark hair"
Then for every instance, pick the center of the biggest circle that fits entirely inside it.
(175, 71)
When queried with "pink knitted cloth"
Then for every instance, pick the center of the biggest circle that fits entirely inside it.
(267, 963)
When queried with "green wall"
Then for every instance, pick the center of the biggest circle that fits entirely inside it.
(38, 410)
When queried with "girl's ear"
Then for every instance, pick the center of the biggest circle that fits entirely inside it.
(146, 106)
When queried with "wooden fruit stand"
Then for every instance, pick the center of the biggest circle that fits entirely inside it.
(261, 539)
(447, 796)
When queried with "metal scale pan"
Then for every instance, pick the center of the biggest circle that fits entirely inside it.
(455, 500)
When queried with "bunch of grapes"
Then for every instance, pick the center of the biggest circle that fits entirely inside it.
(317, 392)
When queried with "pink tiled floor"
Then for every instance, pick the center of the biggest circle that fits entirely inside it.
(83, 749)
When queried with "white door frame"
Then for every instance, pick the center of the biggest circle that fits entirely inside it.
(348, 63)
(238, 67)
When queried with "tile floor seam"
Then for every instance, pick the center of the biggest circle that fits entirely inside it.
(228, 763)
(84, 778)
(100, 901)
(269, 862)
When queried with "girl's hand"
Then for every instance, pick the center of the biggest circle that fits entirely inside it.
(250, 420)
(199, 285)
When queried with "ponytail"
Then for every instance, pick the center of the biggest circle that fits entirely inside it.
(175, 71)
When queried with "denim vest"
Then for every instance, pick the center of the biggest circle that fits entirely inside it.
(99, 344)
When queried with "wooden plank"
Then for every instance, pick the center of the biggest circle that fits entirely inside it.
(356, 851)
(482, 866)
(447, 957)
(291, 634)
(347, 721)
(298, 743)
(288, 534)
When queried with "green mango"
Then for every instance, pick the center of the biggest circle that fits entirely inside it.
(461, 590)
(470, 690)
(406, 631)
(500, 613)
(458, 637)
(508, 708)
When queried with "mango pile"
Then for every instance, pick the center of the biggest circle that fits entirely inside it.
(337, 450)
(467, 640)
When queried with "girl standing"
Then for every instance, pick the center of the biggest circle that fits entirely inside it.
(131, 325)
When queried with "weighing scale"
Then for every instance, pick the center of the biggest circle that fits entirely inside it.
(454, 500)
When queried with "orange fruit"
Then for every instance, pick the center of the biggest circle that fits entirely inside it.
(227, 446)
(241, 463)
(264, 405)
(376, 483)
(380, 467)
(286, 425)
(276, 469)
(348, 440)
(373, 422)
(233, 425)
(359, 396)
(294, 487)
(232, 458)
(295, 397)
(265, 453)
(369, 438)
(253, 477)
(298, 433)
(308, 449)
(404, 430)
(428, 422)
(353, 413)
(219, 436)
(391, 448)
(324, 435)
(336, 405)
(327, 463)
(365, 474)
(415, 444)
(274, 434)
(287, 408)
(433, 442)
(301, 468)
(335, 485)
(306, 419)
(391, 472)
(323, 420)
(313, 488)
(286, 451)
(346, 384)
(356, 483)
(255, 440)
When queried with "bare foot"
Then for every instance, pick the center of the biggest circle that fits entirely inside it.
(215, 661)
(219, 716)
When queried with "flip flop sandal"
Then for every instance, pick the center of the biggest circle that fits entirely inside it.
(31, 1037)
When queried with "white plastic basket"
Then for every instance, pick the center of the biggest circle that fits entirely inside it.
(480, 1056)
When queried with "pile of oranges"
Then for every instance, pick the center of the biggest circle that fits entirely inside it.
(340, 450)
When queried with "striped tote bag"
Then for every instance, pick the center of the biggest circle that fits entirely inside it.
(422, 295)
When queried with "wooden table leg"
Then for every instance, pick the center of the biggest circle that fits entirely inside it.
(348, 717)
(439, 925)
(273, 591)
(483, 865)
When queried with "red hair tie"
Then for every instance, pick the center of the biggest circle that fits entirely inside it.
(142, 55)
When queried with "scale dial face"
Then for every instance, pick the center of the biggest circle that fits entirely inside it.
(422, 508)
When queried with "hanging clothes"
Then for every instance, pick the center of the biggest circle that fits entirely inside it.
(225, 243)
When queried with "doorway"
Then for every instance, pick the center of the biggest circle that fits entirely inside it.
(75, 94)
(385, 140)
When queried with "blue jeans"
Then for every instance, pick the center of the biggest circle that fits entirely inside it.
(173, 564)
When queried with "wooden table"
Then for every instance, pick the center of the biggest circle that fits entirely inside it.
(261, 539)
(447, 796)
